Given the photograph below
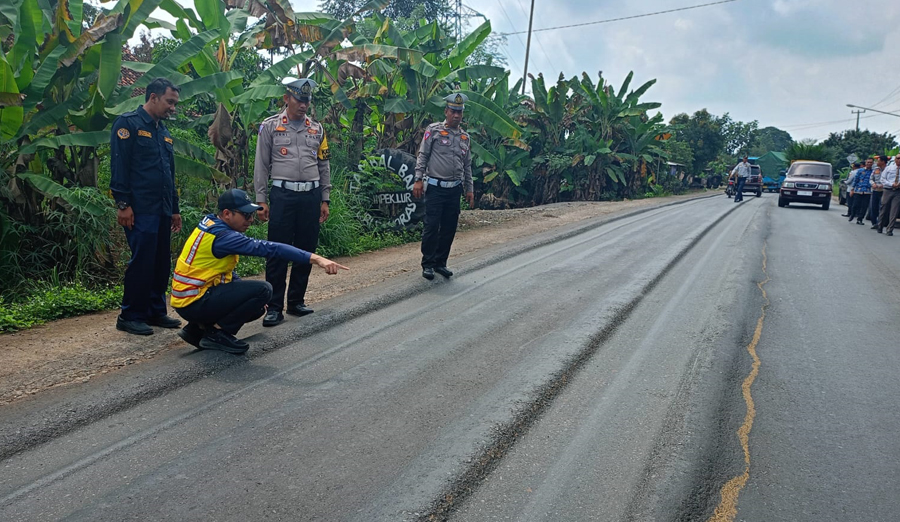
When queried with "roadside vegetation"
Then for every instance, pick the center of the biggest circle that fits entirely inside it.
(67, 71)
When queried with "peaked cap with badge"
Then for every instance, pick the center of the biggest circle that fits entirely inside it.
(299, 88)
(456, 102)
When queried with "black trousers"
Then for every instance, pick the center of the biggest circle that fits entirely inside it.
(230, 305)
(441, 218)
(874, 207)
(860, 206)
(293, 220)
(147, 274)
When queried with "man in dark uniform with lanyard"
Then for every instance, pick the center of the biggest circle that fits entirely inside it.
(445, 166)
(142, 160)
(293, 151)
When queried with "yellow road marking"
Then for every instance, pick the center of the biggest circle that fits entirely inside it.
(727, 508)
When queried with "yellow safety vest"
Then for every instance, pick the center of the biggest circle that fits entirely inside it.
(197, 269)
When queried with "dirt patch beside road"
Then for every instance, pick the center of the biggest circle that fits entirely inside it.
(75, 350)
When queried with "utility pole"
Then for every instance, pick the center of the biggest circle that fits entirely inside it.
(459, 9)
(528, 48)
(857, 113)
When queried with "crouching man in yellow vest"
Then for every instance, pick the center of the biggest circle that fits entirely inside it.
(205, 290)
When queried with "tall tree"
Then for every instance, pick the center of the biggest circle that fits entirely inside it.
(703, 132)
(738, 135)
(770, 139)
(863, 143)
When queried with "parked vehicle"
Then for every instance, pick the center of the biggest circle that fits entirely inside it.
(770, 185)
(842, 192)
(807, 182)
(753, 184)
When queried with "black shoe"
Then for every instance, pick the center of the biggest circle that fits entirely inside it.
(880, 230)
(299, 310)
(428, 273)
(891, 233)
(444, 271)
(273, 318)
(191, 334)
(216, 339)
(133, 327)
(860, 223)
(873, 227)
(845, 215)
(164, 321)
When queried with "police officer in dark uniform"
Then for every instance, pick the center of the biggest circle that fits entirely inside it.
(443, 174)
(143, 185)
(292, 150)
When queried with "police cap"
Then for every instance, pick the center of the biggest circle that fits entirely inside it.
(456, 102)
(299, 88)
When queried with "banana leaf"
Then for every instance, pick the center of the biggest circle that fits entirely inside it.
(475, 72)
(190, 167)
(463, 49)
(276, 72)
(212, 13)
(11, 118)
(110, 64)
(80, 139)
(169, 65)
(398, 106)
(192, 151)
(140, 10)
(55, 114)
(260, 92)
(485, 111)
(52, 189)
(209, 83)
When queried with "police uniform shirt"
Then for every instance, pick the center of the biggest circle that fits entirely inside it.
(445, 154)
(291, 152)
(142, 161)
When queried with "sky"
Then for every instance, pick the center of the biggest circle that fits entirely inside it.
(784, 63)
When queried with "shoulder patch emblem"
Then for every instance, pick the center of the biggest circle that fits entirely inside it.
(169, 140)
(144, 133)
(123, 134)
(284, 151)
(427, 135)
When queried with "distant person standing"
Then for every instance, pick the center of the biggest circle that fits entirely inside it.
(890, 203)
(850, 179)
(142, 161)
(862, 192)
(877, 190)
(292, 150)
(444, 164)
(741, 172)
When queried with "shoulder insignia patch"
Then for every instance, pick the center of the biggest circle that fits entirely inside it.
(169, 140)
(144, 133)
(427, 135)
(123, 134)
(261, 125)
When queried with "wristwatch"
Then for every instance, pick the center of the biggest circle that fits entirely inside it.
(122, 205)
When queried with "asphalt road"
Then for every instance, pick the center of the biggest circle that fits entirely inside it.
(601, 377)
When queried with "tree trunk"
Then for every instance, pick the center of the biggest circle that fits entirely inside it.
(357, 138)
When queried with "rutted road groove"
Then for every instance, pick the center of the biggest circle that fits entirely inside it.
(727, 508)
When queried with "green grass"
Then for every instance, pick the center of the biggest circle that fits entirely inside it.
(46, 302)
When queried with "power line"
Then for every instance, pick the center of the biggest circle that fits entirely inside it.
(622, 18)
(519, 38)
(890, 94)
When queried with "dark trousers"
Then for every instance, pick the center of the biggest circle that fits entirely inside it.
(739, 189)
(849, 205)
(441, 218)
(293, 220)
(230, 305)
(147, 274)
(890, 209)
(860, 206)
(874, 207)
